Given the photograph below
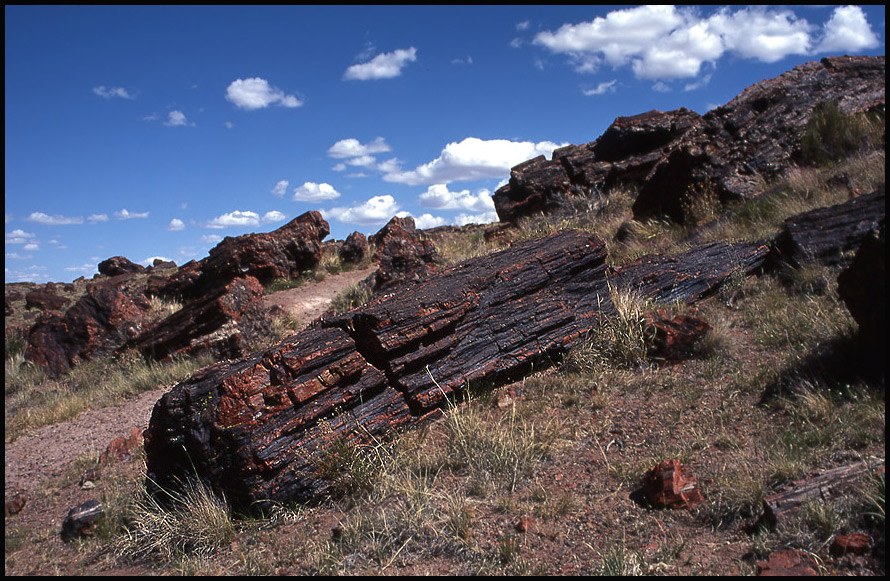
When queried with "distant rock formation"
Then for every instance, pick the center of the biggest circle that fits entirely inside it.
(728, 153)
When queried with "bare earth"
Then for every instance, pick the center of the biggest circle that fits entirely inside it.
(50, 452)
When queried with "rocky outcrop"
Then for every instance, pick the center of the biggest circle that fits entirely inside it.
(260, 427)
(107, 315)
(674, 157)
(283, 253)
(624, 154)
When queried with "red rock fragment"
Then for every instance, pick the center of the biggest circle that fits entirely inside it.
(787, 562)
(669, 484)
(673, 339)
(121, 448)
(852, 544)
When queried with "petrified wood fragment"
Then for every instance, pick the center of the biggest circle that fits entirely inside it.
(830, 235)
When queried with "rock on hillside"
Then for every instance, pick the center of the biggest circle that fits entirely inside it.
(727, 153)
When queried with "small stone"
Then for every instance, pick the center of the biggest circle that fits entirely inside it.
(852, 544)
(15, 504)
(82, 520)
(669, 484)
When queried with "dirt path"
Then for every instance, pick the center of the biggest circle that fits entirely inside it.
(49, 451)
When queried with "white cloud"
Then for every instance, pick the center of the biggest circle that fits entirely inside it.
(439, 197)
(601, 89)
(112, 92)
(425, 220)
(176, 225)
(376, 211)
(483, 218)
(124, 214)
(847, 30)
(354, 148)
(47, 220)
(176, 119)
(273, 216)
(19, 237)
(666, 42)
(236, 218)
(257, 93)
(210, 239)
(472, 159)
(239, 218)
(96, 218)
(313, 192)
(280, 188)
(383, 66)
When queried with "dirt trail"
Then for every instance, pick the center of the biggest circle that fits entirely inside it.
(49, 451)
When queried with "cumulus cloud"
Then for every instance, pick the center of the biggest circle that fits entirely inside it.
(280, 188)
(257, 93)
(112, 92)
(240, 218)
(20, 237)
(425, 220)
(376, 211)
(439, 197)
(847, 30)
(176, 225)
(666, 42)
(383, 66)
(176, 119)
(124, 214)
(47, 220)
(313, 192)
(483, 218)
(472, 159)
(354, 148)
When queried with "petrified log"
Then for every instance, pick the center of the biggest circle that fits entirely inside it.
(260, 427)
(82, 520)
(689, 276)
(832, 483)
(830, 235)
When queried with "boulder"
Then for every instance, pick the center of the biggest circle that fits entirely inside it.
(106, 316)
(829, 235)
(354, 249)
(45, 300)
(118, 265)
(402, 255)
(755, 138)
(862, 287)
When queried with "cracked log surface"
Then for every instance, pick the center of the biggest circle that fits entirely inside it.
(259, 428)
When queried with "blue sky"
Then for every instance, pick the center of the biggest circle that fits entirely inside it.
(155, 132)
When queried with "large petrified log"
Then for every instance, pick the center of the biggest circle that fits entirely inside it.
(261, 427)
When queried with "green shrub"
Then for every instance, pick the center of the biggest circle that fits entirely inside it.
(831, 136)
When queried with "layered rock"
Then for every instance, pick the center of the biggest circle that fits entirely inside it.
(118, 265)
(218, 324)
